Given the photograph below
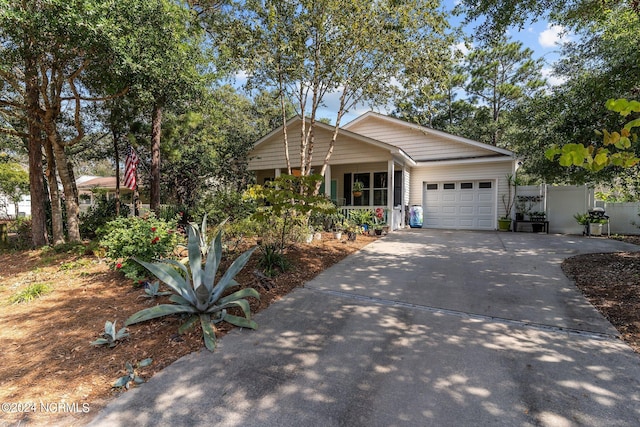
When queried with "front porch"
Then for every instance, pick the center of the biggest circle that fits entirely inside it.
(384, 192)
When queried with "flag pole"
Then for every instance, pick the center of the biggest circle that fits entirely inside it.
(136, 197)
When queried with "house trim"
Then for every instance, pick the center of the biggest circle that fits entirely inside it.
(487, 159)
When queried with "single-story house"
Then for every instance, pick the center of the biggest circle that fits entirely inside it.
(458, 182)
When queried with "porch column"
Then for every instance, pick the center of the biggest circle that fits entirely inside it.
(277, 173)
(390, 191)
(327, 181)
(402, 209)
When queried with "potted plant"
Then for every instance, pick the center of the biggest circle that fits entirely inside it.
(504, 222)
(352, 229)
(537, 216)
(337, 233)
(540, 217)
(583, 219)
(522, 207)
(357, 188)
(377, 228)
(595, 226)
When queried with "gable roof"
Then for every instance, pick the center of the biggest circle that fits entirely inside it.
(371, 116)
(393, 149)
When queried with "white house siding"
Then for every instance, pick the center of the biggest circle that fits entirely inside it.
(8, 208)
(270, 154)
(407, 187)
(494, 171)
(420, 145)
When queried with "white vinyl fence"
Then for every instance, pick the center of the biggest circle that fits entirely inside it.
(561, 203)
(623, 217)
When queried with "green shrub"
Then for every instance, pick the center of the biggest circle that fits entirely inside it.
(22, 229)
(224, 205)
(99, 214)
(326, 219)
(290, 200)
(361, 216)
(145, 238)
(272, 260)
(30, 293)
(177, 213)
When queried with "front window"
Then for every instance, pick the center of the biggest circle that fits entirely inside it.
(363, 199)
(380, 189)
(375, 185)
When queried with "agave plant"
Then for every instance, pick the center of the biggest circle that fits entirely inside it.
(110, 336)
(152, 290)
(132, 374)
(195, 290)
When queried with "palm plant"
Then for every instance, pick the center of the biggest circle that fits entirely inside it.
(195, 291)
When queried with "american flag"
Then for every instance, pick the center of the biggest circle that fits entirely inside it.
(130, 168)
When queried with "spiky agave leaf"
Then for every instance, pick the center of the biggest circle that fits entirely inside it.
(165, 272)
(236, 299)
(99, 341)
(189, 323)
(195, 257)
(208, 332)
(145, 362)
(227, 279)
(159, 311)
(214, 256)
(110, 329)
(242, 322)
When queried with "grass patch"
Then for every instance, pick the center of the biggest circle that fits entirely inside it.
(82, 262)
(30, 293)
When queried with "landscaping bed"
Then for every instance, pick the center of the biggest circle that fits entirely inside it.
(51, 375)
(611, 282)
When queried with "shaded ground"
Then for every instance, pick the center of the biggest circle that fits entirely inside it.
(611, 282)
(46, 356)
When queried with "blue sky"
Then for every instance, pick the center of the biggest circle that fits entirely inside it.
(541, 37)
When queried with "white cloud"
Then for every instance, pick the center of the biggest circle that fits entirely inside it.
(552, 79)
(462, 48)
(553, 36)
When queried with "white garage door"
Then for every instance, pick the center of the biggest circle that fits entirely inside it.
(460, 205)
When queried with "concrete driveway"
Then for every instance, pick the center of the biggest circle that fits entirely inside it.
(421, 328)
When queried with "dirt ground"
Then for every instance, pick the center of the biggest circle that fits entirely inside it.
(51, 375)
(611, 282)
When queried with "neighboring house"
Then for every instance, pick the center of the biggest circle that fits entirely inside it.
(89, 185)
(458, 182)
(8, 208)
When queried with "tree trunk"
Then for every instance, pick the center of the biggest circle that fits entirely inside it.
(156, 129)
(117, 160)
(70, 196)
(57, 228)
(283, 109)
(36, 181)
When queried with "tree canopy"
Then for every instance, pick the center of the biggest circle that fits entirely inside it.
(309, 51)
